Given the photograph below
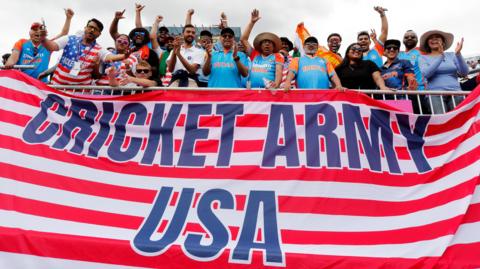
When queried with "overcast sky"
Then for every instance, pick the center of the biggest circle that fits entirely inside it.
(346, 17)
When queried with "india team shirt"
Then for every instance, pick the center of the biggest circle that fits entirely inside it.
(39, 57)
(76, 53)
(264, 68)
(224, 72)
(375, 54)
(413, 55)
(312, 72)
(395, 75)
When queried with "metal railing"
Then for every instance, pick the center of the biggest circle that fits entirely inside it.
(423, 102)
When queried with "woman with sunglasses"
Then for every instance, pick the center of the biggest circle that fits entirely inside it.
(355, 73)
(398, 74)
(122, 46)
(442, 69)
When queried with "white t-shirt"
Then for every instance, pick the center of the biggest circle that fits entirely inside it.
(193, 55)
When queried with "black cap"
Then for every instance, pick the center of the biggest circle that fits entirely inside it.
(311, 39)
(145, 32)
(206, 33)
(394, 42)
(163, 28)
(289, 43)
(227, 31)
(334, 34)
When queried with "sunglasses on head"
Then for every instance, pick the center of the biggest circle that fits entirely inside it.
(143, 71)
(391, 48)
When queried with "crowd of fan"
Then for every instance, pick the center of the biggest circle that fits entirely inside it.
(156, 58)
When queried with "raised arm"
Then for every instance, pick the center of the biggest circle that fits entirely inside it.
(223, 21)
(188, 17)
(114, 25)
(154, 31)
(138, 15)
(66, 26)
(384, 30)
(255, 16)
(51, 45)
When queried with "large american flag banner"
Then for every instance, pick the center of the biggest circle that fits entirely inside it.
(234, 179)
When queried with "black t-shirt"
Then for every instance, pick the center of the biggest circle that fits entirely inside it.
(358, 76)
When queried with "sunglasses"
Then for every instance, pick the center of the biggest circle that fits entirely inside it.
(395, 48)
(356, 49)
(227, 36)
(310, 44)
(122, 42)
(143, 71)
(139, 33)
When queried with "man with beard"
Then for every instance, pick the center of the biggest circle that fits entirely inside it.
(32, 52)
(412, 54)
(80, 55)
(204, 41)
(363, 39)
(331, 54)
(226, 68)
(185, 59)
(311, 71)
(140, 37)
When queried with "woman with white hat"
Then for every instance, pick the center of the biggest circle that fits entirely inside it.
(440, 68)
(267, 63)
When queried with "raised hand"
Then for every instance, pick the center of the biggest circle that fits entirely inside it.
(380, 10)
(459, 47)
(158, 19)
(255, 16)
(373, 34)
(119, 15)
(190, 12)
(223, 20)
(139, 7)
(69, 12)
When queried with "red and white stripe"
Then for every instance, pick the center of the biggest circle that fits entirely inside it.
(62, 74)
(60, 210)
